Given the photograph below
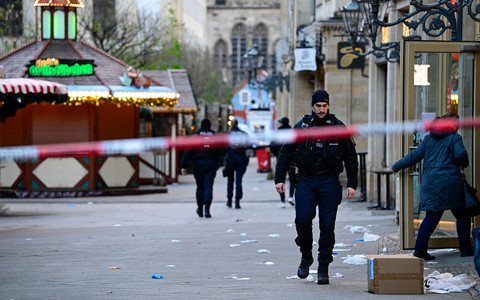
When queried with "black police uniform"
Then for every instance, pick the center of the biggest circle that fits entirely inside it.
(207, 162)
(319, 164)
(235, 167)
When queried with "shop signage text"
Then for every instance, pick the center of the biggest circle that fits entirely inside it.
(305, 59)
(52, 67)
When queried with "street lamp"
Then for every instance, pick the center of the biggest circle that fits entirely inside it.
(437, 17)
(252, 63)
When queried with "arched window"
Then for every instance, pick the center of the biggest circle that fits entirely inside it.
(239, 48)
(220, 54)
(72, 25)
(47, 24)
(59, 24)
(260, 38)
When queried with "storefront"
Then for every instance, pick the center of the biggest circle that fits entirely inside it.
(438, 77)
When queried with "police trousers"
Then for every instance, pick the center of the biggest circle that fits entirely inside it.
(204, 174)
(325, 192)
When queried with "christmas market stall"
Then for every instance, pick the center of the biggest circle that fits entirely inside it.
(105, 98)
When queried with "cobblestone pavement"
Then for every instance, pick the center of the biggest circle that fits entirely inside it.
(109, 247)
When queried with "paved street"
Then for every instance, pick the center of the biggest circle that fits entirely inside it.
(109, 248)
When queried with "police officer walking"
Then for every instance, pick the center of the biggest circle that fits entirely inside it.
(319, 164)
(207, 162)
(236, 162)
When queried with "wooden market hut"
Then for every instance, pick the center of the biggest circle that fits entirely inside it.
(105, 98)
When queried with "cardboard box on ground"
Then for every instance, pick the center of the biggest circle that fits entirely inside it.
(395, 274)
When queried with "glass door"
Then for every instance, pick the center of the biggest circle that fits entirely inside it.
(438, 77)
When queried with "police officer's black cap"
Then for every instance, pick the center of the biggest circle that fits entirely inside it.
(284, 121)
(320, 96)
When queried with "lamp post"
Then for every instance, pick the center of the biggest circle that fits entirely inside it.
(252, 63)
(434, 18)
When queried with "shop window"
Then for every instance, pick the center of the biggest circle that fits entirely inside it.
(11, 18)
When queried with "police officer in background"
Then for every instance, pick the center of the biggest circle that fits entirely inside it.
(207, 162)
(319, 164)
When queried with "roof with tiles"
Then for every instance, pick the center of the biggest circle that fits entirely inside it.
(179, 81)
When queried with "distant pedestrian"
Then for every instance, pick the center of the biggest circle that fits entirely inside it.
(319, 164)
(236, 165)
(206, 163)
(275, 149)
(441, 189)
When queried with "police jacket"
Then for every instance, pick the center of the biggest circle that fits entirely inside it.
(319, 156)
(275, 148)
(202, 153)
(443, 154)
(236, 150)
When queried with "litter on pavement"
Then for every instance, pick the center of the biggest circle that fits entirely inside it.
(442, 283)
(248, 241)
(264, 251)
(356, 229)
(369, 237)
(357, 259)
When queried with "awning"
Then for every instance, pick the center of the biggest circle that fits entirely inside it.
(16, 93)
(30, 86)
(152, 92)
(95, 91)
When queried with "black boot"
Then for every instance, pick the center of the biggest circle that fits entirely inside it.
(229, 202)
(305, 263)
(423, 254)
(207, 211)
(237, 203)
(200, 211)
(322, 274)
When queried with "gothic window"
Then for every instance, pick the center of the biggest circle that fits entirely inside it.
(220, 54)
(260, 38)
(239, 48)
(104, 14)
(11, 18)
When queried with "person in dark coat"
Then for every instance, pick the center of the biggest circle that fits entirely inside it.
(236, 162)
(207, 162)
(275, 149)
(319, 163)
(441, 189)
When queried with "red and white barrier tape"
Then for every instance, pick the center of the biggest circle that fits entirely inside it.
(134, 146)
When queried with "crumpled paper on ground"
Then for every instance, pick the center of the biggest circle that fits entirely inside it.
(357, 259)
(442, 283)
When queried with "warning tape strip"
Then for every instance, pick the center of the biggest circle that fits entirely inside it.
(135, 146)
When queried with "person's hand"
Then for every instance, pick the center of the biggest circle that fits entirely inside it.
(184, 171)
(350, 193)
(280, 187)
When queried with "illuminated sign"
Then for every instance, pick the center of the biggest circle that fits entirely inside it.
(349, 59)
(53, 67)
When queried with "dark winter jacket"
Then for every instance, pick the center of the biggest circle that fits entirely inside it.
(203, 153)
(319, 156)
(442, 184)
(275, 148)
